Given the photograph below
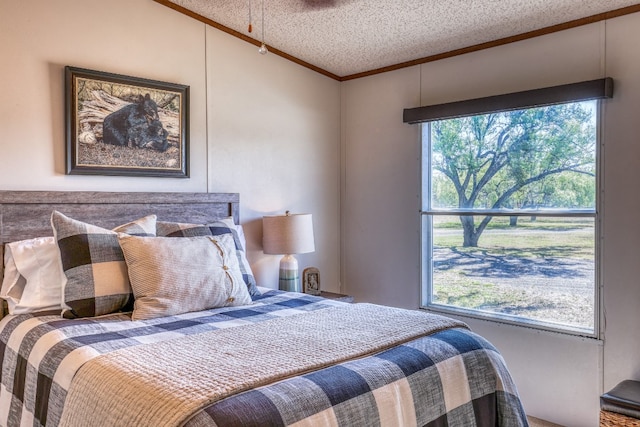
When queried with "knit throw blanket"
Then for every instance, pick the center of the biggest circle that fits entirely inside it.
(165, 383)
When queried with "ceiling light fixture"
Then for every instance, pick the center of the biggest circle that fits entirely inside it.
(263, 48)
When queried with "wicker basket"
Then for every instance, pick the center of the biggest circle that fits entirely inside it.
(613, 419)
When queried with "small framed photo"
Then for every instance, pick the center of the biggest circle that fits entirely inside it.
(311, 281)
(122, 125)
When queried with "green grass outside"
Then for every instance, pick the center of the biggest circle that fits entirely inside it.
(461, 291)
(502, 222)
(544, 238)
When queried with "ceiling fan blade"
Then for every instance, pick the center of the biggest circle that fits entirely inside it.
(320, 4)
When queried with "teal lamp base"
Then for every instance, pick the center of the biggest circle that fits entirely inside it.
(289, 276)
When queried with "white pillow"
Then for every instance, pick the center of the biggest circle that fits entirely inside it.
(33, 276)
(178, 275)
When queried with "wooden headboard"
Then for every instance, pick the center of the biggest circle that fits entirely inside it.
(26, 214)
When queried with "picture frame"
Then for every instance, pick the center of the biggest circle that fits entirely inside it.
(311, 281)
(123, 125)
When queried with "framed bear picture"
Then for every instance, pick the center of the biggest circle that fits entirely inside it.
(121, 125)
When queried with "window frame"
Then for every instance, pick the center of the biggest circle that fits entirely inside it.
(427, 214)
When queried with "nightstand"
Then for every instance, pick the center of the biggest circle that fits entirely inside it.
(337, 297)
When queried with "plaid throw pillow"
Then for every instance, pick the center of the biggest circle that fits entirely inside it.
(216, 228)
(92, 261)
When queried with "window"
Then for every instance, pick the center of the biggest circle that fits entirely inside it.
(510, 206)
(509, 215)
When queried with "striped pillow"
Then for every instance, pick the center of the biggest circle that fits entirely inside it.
(92, 261)
(175, 276)
(216, 228)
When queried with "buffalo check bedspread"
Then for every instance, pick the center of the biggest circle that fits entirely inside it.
(452, 377)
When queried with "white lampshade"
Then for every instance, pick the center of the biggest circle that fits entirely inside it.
(287, 234)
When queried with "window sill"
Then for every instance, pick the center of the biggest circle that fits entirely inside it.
(512, 321)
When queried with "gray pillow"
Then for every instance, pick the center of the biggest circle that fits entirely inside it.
(216, 228)
(173, 276)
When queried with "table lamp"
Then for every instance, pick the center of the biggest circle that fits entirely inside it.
(288, 235)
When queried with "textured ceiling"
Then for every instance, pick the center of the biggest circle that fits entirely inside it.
(349, 37)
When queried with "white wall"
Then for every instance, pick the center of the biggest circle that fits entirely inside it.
(621, 229)
(559, 377)
(259, 125)
(381, 187)
(40, 38)
(274, 137)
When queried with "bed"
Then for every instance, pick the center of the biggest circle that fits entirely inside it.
(223, 353)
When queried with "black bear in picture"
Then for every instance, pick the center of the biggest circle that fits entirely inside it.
(151, 135)
(137, 125)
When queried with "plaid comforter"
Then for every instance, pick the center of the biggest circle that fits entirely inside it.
(452, 377)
